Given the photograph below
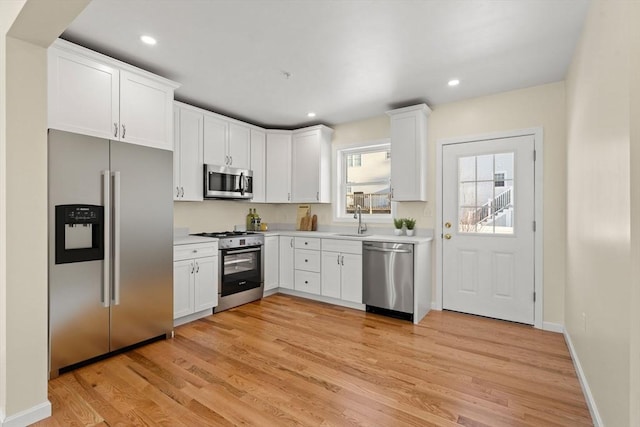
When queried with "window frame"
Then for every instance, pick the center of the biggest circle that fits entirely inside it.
(340, 153)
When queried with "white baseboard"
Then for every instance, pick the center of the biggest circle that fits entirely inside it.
(321, 298)
(586, 390)
(270, 292)
(28, 416)
(553, 327)
(191, 317)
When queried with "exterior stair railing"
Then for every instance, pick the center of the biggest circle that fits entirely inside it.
(493, 207)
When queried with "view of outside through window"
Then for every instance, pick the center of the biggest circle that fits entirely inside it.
(485, 194)
(366, 181)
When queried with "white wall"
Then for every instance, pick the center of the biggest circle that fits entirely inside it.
(634, 300)
(23, 204)
(602, 195)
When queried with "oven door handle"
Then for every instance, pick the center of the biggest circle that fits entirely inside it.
(243, 251)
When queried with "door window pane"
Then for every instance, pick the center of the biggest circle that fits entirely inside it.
(484, 166)
(486, 194)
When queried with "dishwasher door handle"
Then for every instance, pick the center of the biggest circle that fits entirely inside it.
(398, 251)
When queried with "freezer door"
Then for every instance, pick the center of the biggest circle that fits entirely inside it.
(78, 303)
(142, 294)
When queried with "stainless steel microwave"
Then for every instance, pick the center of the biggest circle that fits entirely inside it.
(223, 182)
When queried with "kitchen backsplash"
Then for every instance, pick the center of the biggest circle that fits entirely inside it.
(220, 215)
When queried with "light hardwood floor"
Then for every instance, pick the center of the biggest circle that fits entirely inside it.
(289, 361)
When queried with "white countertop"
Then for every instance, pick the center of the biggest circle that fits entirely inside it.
(186, 239)
(353, 236)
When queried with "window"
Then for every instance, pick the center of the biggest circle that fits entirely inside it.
(363, 179)
(486, 196)
(354, 160)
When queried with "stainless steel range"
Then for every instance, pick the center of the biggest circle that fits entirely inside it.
(241, 272)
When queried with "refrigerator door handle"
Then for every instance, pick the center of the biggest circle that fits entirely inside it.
(116, 238)
(106, 279)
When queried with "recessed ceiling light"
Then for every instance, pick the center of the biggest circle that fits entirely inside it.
(148, 40)
(454, 82)
(310, 115)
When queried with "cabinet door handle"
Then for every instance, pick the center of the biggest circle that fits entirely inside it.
(289, 196)
(124, 131)
(197, 267)
(338, 259)
(115, 129)
(193, 268)
(230, 160)
(181, 191)
(317, 195)
(177, 191)
(342, 262)
(291, 242)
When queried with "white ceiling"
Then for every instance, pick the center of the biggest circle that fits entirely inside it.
(347, 60)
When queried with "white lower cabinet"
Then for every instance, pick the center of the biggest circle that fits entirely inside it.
(271, 261)
(183, 286)
(325, 269)
(195, 278)
(286, 262)
(342, 270)
(307, 265)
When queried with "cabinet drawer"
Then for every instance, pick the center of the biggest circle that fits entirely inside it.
(307, 243)
(195, 250)
(307, 260)
(342, 246)
(307, 281)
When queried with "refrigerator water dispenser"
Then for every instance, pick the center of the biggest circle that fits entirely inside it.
(79, 233)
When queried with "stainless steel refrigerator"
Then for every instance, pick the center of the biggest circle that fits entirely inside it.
(110, 246)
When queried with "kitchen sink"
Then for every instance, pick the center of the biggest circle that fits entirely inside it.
(351, 235)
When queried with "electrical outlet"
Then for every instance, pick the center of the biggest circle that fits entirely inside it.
(584, 322)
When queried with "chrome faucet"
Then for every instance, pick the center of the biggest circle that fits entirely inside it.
(358, 215)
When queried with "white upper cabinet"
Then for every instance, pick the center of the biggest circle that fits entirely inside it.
(84, 95)
(409, 153)
(278, 167)
(146, 111)
(187, 156)
(226, 143)
(239, 146)
(311, 165)
(92, 94)
(216, 136)
(258, 165)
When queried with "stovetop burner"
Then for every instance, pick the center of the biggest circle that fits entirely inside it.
(235, 239)
(220, 234)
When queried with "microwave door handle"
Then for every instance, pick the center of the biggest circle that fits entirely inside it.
(242, 183)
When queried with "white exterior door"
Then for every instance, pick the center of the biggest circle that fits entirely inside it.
(488, 228)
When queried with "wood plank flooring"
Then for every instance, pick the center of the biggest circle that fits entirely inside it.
(286, 361)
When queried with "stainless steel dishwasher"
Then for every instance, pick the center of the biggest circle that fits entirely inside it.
(388, 278)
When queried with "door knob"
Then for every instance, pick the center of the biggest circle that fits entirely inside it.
(447, 236)
(447, 225)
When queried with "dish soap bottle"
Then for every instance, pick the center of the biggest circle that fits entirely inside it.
(249, 220)
(256, 221)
